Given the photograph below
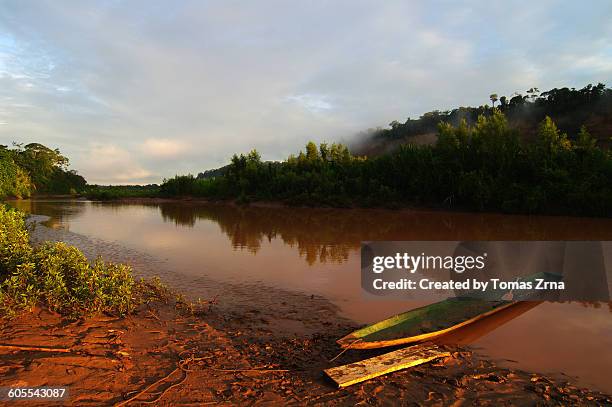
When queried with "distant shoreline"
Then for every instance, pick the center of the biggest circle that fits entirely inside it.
(279, 204)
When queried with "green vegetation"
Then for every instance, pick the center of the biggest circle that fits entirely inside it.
(34, 168)
(14, 181)
(484, 167)
(60, 277)
(572, 108)
(111, 192)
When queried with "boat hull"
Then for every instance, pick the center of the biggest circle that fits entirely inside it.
(354, 341)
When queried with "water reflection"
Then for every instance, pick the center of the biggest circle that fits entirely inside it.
(58, 213)
(314, 234)
(342, 225)
(331, 235)
(471, 333)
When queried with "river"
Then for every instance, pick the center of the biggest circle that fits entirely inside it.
(316, 252)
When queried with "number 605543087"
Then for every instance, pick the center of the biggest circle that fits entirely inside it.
(33, 393)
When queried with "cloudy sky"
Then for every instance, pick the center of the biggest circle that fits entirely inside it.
(134, 91)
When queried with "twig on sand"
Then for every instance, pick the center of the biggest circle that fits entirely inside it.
(345, 349)
(153, 314)
(34, 348)
(149, 387)
(248, 370)
(187, 361)
(156, 399)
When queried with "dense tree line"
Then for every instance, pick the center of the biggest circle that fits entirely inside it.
(572, 108)
(112, 192)
(34, 168)
(486, 167)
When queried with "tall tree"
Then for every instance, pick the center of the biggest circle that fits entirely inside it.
(493, 98)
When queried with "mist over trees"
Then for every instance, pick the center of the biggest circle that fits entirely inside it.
(36, 169)
(570, 108)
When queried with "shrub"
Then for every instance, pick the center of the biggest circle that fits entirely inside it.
(14, 240)
(58, 276)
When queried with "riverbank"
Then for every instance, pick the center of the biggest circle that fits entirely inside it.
(248, 344)
(160, 356)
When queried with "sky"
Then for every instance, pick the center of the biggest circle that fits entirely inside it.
(135, 91)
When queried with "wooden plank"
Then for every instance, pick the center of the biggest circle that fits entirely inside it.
(389, 362)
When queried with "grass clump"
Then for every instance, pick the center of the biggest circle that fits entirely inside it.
(59, 276)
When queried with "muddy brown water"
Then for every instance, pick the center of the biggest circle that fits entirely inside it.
(316, 251)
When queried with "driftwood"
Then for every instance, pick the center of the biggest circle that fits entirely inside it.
(353, 373)
(34, 348)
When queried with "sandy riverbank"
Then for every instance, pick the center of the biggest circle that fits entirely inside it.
(254, 345)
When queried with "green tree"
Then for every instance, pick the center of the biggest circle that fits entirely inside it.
(503, 102)
(324, 151)
(14, 181)
(40, 162)
(254, 157)
(585, 141)
(533, 93)
(550, 140)
(493, 98)
(312, 153)
(447, 138)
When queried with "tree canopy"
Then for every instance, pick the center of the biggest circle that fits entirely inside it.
(35, 168)
(484, 166)
(570, 108)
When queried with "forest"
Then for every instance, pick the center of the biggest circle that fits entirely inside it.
(590, 106)
(486, 166)
(36, 169)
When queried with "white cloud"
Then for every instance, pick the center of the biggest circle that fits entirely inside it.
(107, 163)
(312, 103)
(164, 148)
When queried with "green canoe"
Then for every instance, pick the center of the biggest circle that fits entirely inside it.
(434, 320)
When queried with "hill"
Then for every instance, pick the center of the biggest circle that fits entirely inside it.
(570, 109)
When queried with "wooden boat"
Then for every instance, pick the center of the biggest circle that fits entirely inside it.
(432, 321)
